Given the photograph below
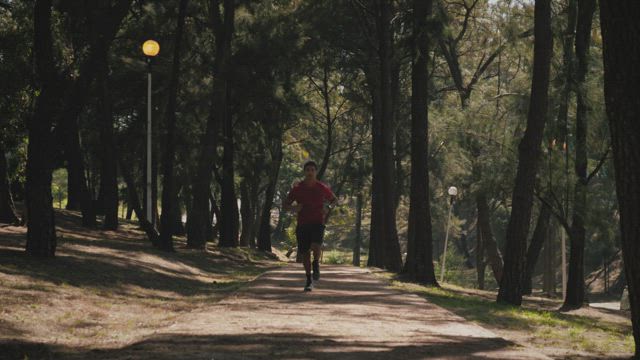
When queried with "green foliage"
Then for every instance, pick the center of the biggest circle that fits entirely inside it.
(336, 257)
(59, 188)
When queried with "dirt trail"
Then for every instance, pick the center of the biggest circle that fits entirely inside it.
(349, 315)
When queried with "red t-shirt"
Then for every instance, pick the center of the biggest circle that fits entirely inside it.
(312, 198)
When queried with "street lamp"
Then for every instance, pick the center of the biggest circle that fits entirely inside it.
(453, 192)
(150, 48)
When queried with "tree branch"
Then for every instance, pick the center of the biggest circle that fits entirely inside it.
(561, 219)
(604, 158)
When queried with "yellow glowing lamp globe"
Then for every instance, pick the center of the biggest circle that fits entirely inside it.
(151, 48)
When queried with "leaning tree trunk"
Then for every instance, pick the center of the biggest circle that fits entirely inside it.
(575, 297)
(41, 232)
(419, 263)
(169, 188)
(533, 253)
(621, 41)
(528, 158)
(7, 208)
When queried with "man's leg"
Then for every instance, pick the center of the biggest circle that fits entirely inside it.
(303, 248)
(316, 248)
(306, 261)
(317, 251)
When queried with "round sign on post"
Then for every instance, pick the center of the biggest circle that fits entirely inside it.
(453, 191)
(151, 48)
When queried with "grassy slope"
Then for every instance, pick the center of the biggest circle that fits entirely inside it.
(106, 289)
(582, 333)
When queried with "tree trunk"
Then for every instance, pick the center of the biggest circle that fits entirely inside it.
(264, 234)
(538, 239)
(328, 122)
(402, 141)
(41, 232)
(170, 206)
(489, 242)
(7, 208)
(109, 176)
(377, 225)
(549, 275)
(246, 213)
(419, 262)
(199, 229)
(178, 224)
(132, 193)
(480, 263)
(392, 258)
(229, 222)
(223, 27)
(257, 212)
(463, 249)
(621, 40)
(199, 218)
(399, 173)
(567, 68)
(74, 190)
(528, 158)
(214, 231)
(575, 282)
(359, 203)
(106, 19)
(76, 170)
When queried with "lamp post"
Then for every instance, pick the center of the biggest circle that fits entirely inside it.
(453, 191)
(150, 48)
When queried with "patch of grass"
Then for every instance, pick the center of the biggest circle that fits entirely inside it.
(342, 256)
(336, 257)
(540, 327)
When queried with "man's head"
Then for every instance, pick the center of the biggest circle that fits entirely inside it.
(310, 168)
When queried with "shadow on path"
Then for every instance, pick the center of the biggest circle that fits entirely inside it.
(268, 346)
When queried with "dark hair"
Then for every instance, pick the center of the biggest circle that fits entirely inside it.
(310, 163)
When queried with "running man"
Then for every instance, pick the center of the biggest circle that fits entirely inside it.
(311, 196)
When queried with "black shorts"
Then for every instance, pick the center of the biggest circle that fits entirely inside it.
(307, 234)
